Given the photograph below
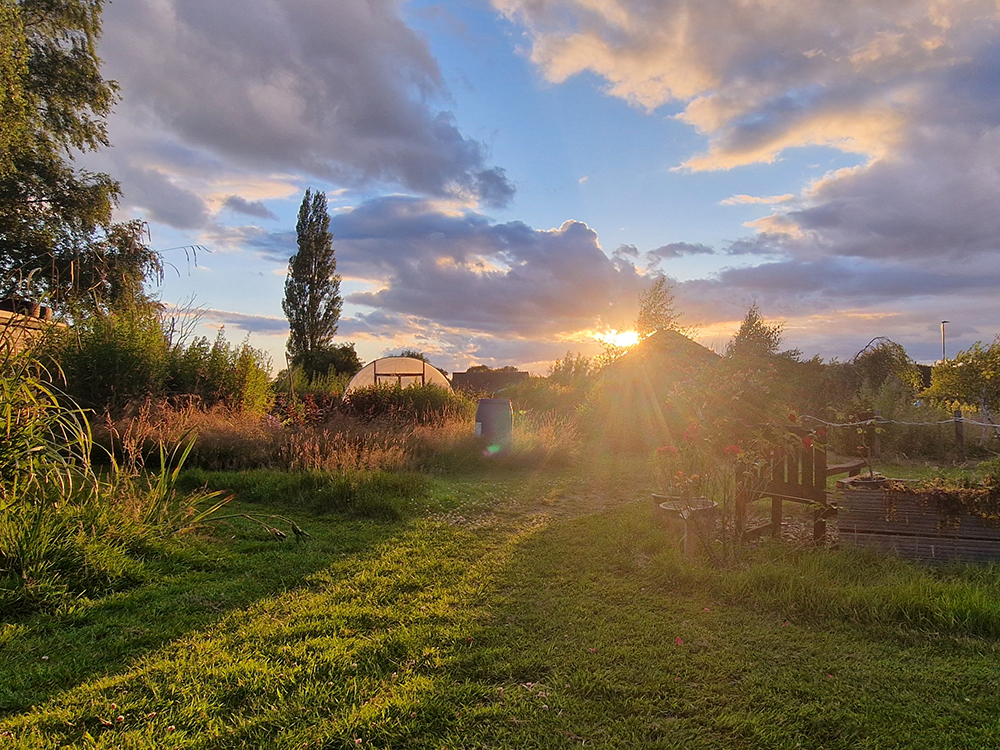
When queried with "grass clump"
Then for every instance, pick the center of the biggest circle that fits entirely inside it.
(67, 531)
(374, 495)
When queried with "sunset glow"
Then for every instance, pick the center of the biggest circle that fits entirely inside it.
(618, 338)
(850, 197)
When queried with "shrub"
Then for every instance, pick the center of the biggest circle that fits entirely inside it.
(220, 373)
(418, 403)
(110, 362)
(66, 531)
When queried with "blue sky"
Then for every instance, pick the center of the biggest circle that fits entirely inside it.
(507, 176)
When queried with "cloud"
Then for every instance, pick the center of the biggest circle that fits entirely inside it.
(676, 250)
(911, 86)
(465, 272)
(249, 208)
(264, 324)
(738, 200)
(161, 200)
(343, 91)
(758, 79)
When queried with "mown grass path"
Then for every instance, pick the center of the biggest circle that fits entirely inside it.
(539, 611)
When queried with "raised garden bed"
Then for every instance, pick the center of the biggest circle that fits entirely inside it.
(933, 525)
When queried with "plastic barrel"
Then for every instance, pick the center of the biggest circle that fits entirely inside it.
(495, 423)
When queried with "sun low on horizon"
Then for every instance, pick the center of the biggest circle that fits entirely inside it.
(623, 339)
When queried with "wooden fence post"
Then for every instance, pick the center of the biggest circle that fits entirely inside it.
(959, 434)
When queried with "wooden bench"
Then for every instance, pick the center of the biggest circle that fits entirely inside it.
(852, 468)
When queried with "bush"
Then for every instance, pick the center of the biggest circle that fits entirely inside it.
(220, 373)
(65, 531)
(418, 403)
(111, 362)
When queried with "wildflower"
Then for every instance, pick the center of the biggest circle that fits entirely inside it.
(821, 433)
(732, 450)
(793, 418)
(680, 641)
(807, 441)
(691, 433)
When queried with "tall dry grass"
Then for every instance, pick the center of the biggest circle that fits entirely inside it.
(227, 440)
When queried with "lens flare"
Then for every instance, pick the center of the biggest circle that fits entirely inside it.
(618, 338)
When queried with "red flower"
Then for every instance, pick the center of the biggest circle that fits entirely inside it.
(821, 433)
(664, 450)
(691, 433)
(732, 450)
(807, 441)
(792, 418)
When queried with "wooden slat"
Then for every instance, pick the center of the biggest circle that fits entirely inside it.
(926, 548)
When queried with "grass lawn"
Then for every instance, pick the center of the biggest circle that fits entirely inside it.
(512, 610)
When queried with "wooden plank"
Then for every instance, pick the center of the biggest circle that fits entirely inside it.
(872, 511)
(926, 548)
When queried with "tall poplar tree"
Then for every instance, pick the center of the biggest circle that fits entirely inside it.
(312, 301)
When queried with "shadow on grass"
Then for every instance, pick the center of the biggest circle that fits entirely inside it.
(190, 589)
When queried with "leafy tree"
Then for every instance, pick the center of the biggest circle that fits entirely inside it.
(757, 338)
(55, 221)
(882, 360)
(312, 301)
(571, 369)
(13, 71)
(331, 360)
(657, 309)
(971, 378)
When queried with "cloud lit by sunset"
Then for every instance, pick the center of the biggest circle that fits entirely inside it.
(823, 160)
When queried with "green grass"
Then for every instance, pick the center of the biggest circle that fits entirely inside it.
(369, 494)
(511, 610)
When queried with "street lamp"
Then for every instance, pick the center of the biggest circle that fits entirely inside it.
(943, 355)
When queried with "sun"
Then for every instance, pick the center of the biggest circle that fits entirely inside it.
(623, 339)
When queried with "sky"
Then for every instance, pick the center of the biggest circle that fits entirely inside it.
(506, 177)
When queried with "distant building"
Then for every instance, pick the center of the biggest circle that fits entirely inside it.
(487, 380)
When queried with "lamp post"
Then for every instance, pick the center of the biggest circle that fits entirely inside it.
(943, 355)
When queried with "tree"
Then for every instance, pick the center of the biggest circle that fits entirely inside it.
(971, 378)
(312, 301)
(55, 221)
(13, 71)
(758, 338)
(657, 309)
(341, 360)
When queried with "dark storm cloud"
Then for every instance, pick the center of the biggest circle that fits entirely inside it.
(343, 90)
(249, 208)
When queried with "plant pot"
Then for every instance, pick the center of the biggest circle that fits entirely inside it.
(691, 519)
(861, 482)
